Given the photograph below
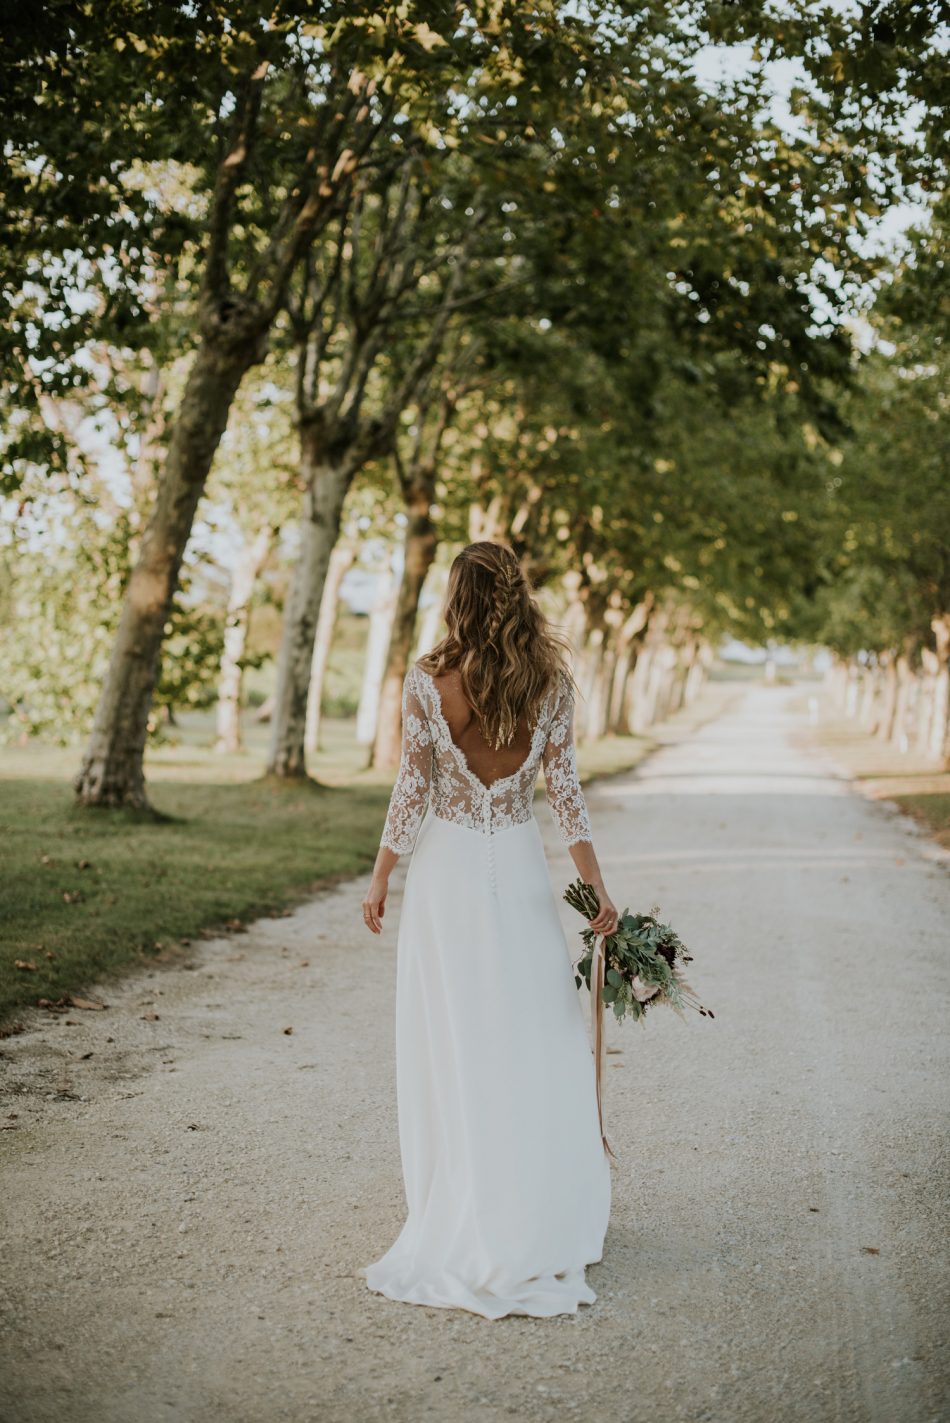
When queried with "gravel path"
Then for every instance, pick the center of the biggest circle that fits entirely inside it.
(190, 1188)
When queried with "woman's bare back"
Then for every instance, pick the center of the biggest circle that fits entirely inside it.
(483, 760)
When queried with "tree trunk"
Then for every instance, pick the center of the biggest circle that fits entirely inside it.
(341, 560)
(885, 717)
(325, 487)
(431, 626)
(630, 641)
(664, 666)
(377, 644)
(903, 700)
(937, 741)
(678, 673)
(112, 772)
(696, 676)
(420, 546)
(246, 573)
(575, 617)
(590, 679)
(852, 690)
(866, 707)
(836, 681)
(638, 719)
(600, 697)
(626, 722)
(650, 672)
(924, 703)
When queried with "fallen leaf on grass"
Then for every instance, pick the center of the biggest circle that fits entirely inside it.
(84, 1056)
(870, 1250)
(304, 963)
(287, 1032)
(150, 1018)
(91, 1004)
(12, 1029)
(25, 965)
(83, 864)
(72, 896)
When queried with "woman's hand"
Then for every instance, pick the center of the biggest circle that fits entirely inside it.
(607, 918)
(374, 904)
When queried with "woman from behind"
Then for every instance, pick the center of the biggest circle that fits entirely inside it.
(506, 1177)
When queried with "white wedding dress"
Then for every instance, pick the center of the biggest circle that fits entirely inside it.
(507, 1182)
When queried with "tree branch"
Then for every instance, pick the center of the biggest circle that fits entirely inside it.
(231, 169)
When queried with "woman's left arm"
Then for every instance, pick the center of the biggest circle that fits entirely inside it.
(569, 807)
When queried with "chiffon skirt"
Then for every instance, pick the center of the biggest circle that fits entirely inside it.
(507, 1184)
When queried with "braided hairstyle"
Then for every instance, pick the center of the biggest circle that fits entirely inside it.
(499, 640)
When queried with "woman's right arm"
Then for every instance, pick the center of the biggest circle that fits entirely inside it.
(407, 804)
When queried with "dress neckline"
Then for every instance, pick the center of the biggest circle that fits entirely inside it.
(491, 787)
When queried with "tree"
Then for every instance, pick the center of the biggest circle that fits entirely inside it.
(886, 587)
(274, 114)
(386, 256)
(416, 460)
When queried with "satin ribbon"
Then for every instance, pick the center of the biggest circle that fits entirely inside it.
(597, 970)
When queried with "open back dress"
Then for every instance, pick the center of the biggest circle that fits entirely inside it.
(506, 1179)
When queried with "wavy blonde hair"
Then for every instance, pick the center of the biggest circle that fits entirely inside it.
(508, 654)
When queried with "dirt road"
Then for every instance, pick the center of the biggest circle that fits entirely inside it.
(189, 1188)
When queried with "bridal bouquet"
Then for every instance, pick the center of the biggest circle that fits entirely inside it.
(638, 965)
(642, 961)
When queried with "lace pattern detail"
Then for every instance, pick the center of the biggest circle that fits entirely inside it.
(411, 789)
(433, 771)
(560, 773)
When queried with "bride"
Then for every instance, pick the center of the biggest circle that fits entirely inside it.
(506, 1177)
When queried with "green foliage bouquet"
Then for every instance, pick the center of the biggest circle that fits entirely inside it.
(643, 960)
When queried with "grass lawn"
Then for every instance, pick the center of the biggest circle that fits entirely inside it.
(885, 773)
(89, 893)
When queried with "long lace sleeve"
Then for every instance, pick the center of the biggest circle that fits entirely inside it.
(410, 793)
(565, 796)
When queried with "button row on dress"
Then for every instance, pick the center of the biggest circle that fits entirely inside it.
(486, 817)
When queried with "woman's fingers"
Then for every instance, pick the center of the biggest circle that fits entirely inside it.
(372, 914)
(605, 922)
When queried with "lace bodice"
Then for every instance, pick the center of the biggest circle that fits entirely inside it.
(433, 771)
